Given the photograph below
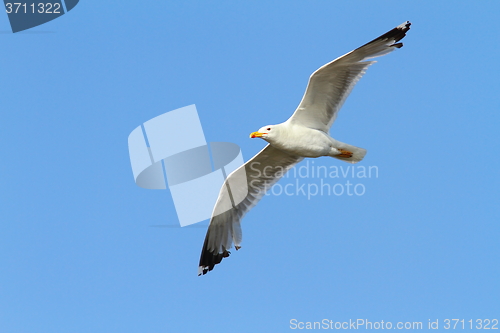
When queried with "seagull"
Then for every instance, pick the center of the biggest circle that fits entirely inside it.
(304, 134)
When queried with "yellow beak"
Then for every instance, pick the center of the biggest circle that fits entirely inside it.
(256, 135)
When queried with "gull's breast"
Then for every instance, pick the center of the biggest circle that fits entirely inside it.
(305, 142)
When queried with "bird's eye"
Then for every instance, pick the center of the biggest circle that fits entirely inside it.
(269, 128)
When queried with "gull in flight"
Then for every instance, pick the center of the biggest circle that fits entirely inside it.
(304, 134)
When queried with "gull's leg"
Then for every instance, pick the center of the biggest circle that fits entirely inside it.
(347, 153)
(344, 153)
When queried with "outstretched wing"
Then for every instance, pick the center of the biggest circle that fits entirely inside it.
(330, 85)
(258, 175)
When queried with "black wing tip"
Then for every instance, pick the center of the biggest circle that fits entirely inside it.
(398, 33)
(404, 26)
(209, 259)
(395, 34)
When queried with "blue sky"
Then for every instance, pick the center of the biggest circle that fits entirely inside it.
(79, 253)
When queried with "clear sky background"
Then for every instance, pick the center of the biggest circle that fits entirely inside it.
(83, 249)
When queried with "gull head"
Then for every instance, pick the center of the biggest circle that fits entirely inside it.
(267, 132)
